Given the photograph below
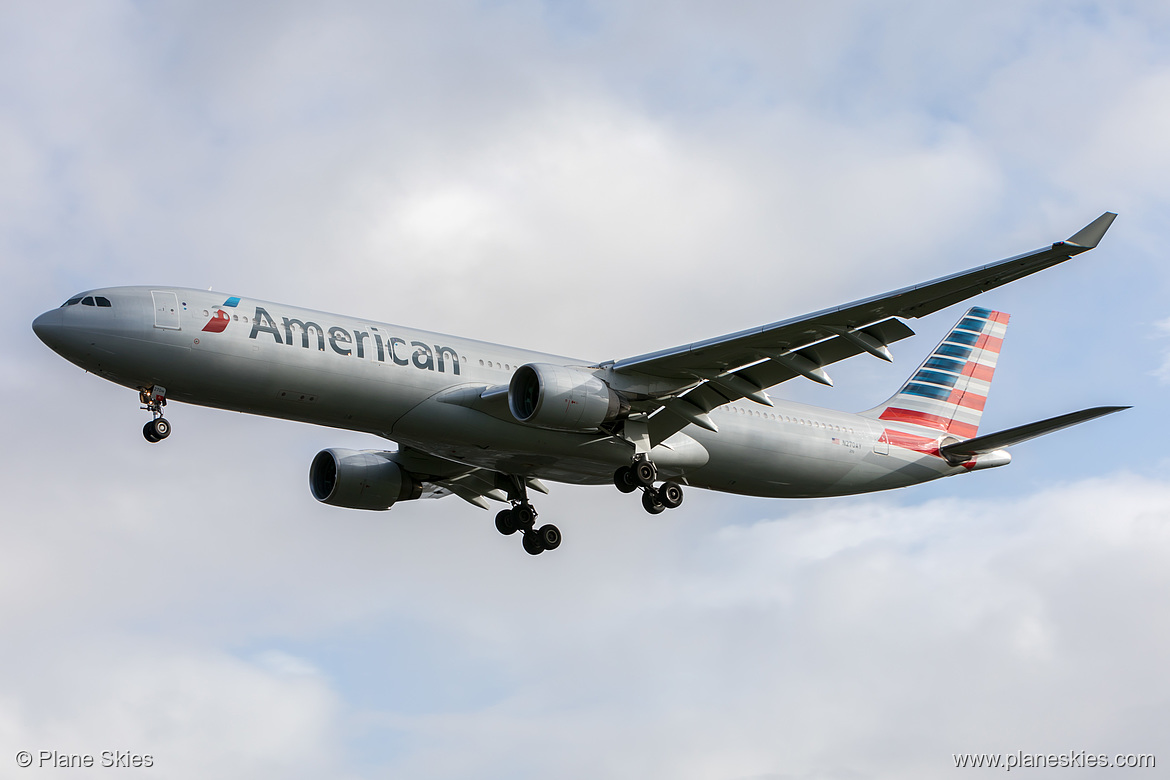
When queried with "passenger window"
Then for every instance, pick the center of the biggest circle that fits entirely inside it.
(104, 302)
(87, 301)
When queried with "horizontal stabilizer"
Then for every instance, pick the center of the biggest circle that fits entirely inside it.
(963, 450)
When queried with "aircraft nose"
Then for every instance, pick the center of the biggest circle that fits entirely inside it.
(50, 328)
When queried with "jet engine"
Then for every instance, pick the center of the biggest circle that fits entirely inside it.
(563, 398)
(369, 479)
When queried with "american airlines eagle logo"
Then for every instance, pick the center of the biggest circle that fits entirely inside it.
(220, 319)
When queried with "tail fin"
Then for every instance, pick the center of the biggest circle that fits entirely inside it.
(949, 390)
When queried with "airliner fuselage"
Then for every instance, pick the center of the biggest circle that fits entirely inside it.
(402, 384)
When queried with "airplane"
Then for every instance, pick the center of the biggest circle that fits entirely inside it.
(485, 421)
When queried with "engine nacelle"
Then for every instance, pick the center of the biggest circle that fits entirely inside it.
(369, 479)
(563, 398)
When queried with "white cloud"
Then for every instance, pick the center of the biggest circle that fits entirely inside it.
(876, 638)
(193, 712)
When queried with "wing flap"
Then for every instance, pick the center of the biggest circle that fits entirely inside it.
(714, 393)
(442, 477)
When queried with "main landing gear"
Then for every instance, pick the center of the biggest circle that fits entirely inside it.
(641, 474)
(153, 400)
(522, 517)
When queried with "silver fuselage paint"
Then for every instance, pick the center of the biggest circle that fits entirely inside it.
(405, 384)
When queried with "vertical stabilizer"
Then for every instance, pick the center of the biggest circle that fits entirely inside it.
(948, 391)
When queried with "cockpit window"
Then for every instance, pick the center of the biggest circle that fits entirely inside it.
(88, 301)
(71, 302)
(102, 301)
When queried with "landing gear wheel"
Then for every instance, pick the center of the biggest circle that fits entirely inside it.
(624, 479)
(161, 427)
(644, 473)
(532, 544)
(506, 522)
(670, 494)
(651, 503)
(524, 516)
(549, 537)
(149, 434)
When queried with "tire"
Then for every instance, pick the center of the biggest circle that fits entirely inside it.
(670, 494)
(532, 544)
(651, 503)
(161, 427)
(506, 522)
(524, 517)
(149, 434)
(644, 473)
(549, 536)
(623, 478)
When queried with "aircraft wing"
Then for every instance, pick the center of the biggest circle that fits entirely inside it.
(744, 364)
(441, 477)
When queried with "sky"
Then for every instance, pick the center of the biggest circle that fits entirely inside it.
(598, 179)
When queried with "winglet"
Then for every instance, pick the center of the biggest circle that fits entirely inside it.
(1090, 235)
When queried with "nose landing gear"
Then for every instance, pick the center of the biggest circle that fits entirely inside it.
(153, 400)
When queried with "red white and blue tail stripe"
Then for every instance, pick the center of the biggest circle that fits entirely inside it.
(949, 390)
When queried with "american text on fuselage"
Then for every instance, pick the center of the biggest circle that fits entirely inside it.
(346, 343)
